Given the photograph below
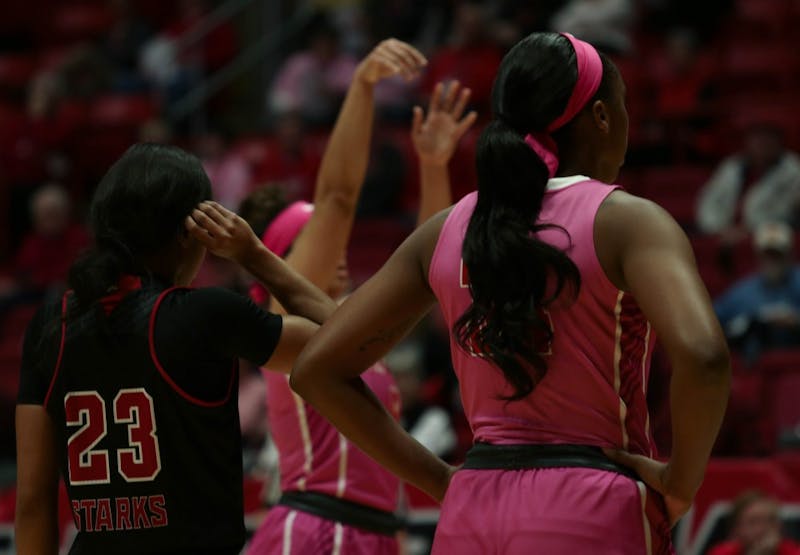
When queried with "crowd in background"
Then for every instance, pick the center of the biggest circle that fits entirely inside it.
(711, 89)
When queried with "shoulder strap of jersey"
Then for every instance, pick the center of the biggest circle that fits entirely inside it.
(165, 376)
(60, 347)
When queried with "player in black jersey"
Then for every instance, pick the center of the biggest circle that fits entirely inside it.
(129, 386)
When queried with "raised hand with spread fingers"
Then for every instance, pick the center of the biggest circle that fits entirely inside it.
(435, 136)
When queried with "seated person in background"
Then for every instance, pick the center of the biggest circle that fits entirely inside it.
(755, 528)
(429, 424)
(470, 56)
(314, 81)
(604, 23)
(47, 251)
(763, 310)
(760, 184)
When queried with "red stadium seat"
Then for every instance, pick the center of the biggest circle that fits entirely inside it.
(675, 189)
(16, 70)
(121, 110)
(73, 21)
(765, 64)
(781, 370)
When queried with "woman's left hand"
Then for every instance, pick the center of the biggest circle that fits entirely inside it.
(436, 134)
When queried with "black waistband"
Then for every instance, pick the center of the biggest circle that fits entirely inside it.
(343, 511)
(483, 456)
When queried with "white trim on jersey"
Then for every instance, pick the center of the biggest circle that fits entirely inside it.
(557, 183)
(342, 482)
(288, 525)
(338, 536)
(308, 448)
(648, 539)
(623, 409)
(644, 389)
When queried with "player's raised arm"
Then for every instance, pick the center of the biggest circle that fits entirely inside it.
(320, 247)
(435, 135)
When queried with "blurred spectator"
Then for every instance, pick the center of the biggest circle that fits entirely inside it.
(429, 424)
(681, 77)
(470, 57)
(313, 81)
(760, 184)
(175, 60)
(155, 130)
(755, 528)
(227, 170)
(763, 311)
(47, 252)
(125, 38)
(604, 23)
(292, 159)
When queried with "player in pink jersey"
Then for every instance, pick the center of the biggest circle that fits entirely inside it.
(335, 499)
(554, 284)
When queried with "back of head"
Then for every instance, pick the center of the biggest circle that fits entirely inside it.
(137, 212)
(261, 207)
(513, 276)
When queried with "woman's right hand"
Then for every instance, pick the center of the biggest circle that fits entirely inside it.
(222, 232)
(391, 57)
(655, 474)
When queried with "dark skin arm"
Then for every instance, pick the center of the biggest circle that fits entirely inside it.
(227, 235)
(374, 319)
(36, 518)
(318, 250)
(645, 252)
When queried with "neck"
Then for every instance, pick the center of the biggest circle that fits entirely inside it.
(163, 265)
(584, 164)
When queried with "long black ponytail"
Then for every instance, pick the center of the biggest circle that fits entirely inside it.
(513, 275)
(138, 209)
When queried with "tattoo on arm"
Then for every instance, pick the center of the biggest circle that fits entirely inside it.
(386, 336)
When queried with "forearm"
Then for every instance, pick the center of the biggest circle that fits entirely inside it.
(294, 292)
(344, 164)
(435, 193)
(36, 527)
(698, 398)
(358, 414)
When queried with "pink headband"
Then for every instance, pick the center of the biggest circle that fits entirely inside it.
(590, 74)
(279, 236)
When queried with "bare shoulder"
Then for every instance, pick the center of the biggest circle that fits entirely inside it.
(629, 217)
(428, 237)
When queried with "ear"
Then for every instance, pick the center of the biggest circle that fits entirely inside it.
(601, 116)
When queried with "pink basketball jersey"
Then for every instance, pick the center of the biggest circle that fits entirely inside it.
(314, 456)
(594, 391)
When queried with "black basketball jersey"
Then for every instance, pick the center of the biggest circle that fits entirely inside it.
(150, 466)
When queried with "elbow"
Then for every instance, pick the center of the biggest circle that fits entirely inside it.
(301, 378)
(341, 200)
(712, 360)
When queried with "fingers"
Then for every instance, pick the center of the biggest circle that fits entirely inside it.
(623, 457)
(400, 58)
(197, 231)
(416, 121)
(436, 104)
(450, 96)
(206, 217)
(467, 122)
(461, 104)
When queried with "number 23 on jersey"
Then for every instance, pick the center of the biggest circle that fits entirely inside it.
(140, 461)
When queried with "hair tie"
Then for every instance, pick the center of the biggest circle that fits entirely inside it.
(590, 75)
(545, 148)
